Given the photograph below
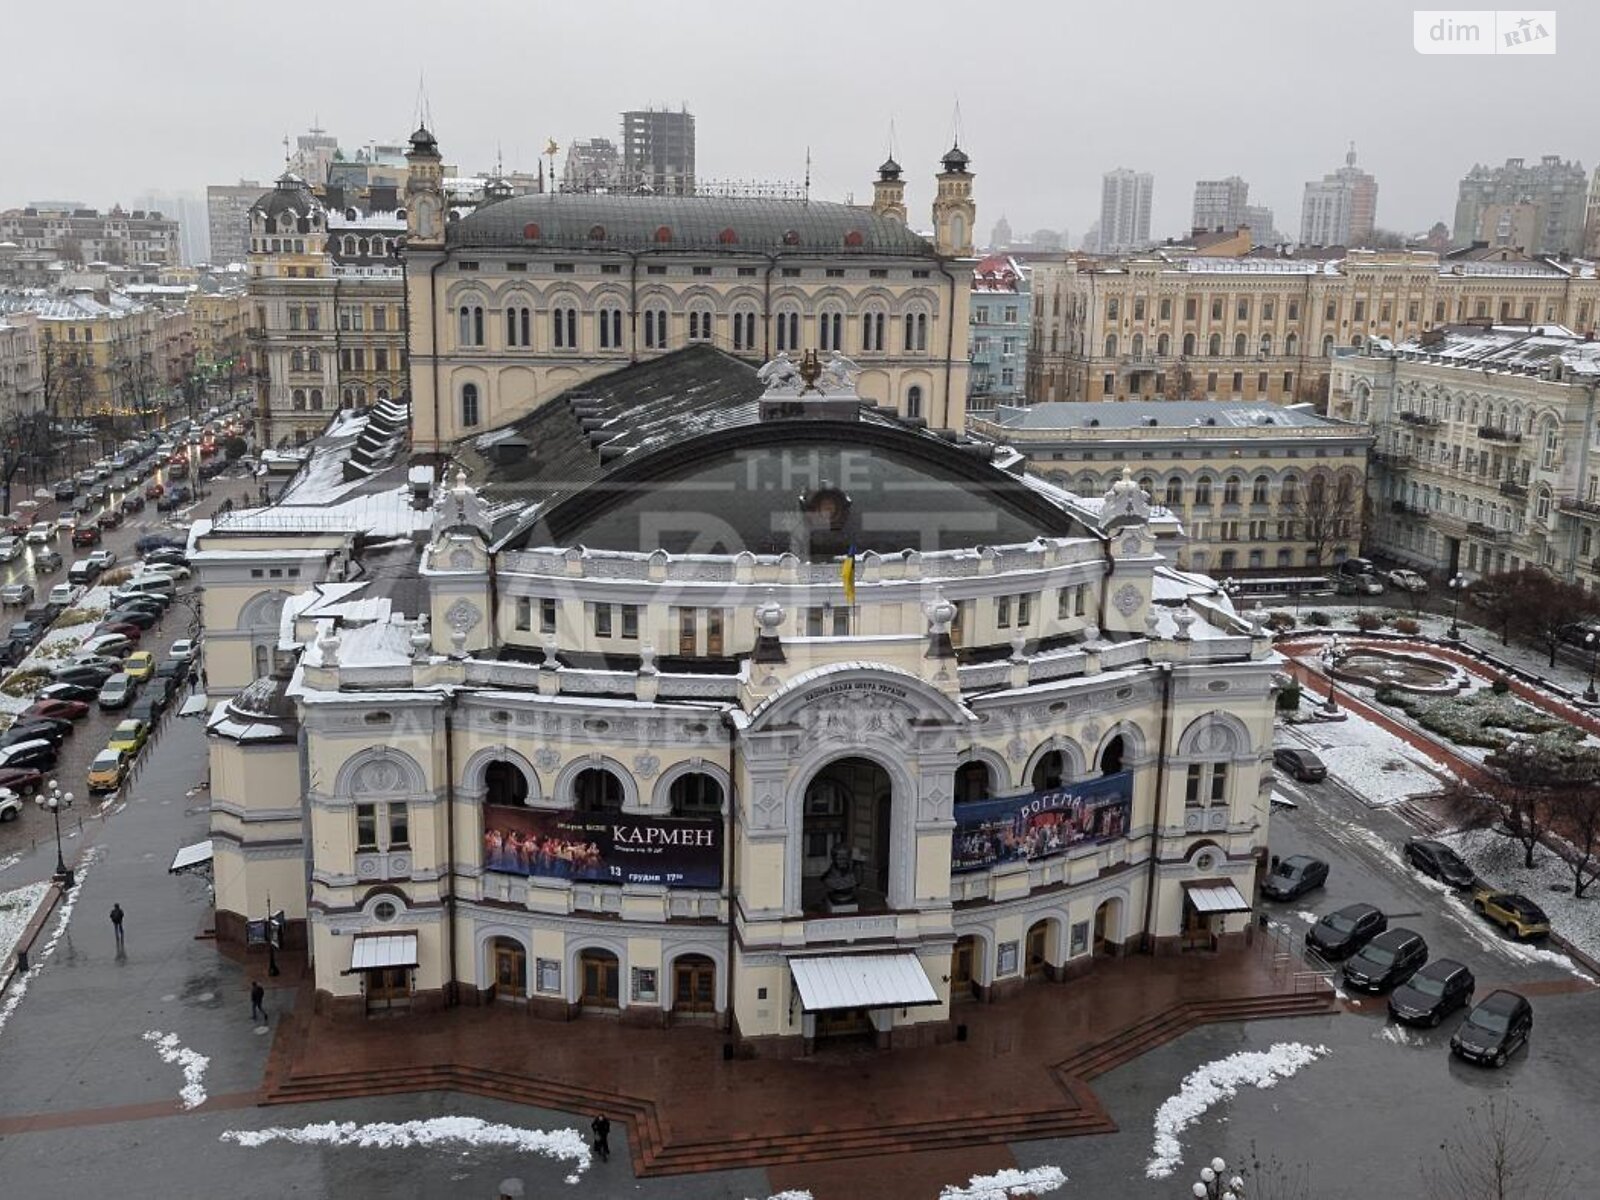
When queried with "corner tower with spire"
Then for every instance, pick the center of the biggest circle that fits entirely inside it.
(953, 209)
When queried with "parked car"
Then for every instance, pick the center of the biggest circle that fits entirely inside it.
(151, 541)
(47, 560)
(149, 707)
(1390, 958)
(1438, 860)
(68, 692)
(141, 664)
(107, 770)
(184, 649)
(45, 613)
(103, 662)
(21, 780)
(38, 754)
(65, 594)
(53, 710)
(110, 519)
(1294, 876)
(117, 691)
(16, 593)
(86, 535)
(1494, 1030)
(119, 629)
(104, 559)
(1433, 993)
(13, 651)
(10, 805)
(1407, 581)
(132, 503)
(132, 616)
(83, 571)
(1340, 934)
(27, 631)
(84, 674)
(45, 728)
(1358, 585)
(41, 533)
(143, 604)
(164, 584)
(108, 645)
(1299, 764)
(129, 736)
(1512, 911)
(122, 595)
(167, 555)
(11, 548)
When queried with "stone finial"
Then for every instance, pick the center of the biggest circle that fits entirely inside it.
(1183, 618)
(1019, 643)
(647, 659)
(769, 621)
(421, 641)
(940, 613)
(328, 647)
(458, 642)
(549, 648)
(1152, 623)
(1091, 633)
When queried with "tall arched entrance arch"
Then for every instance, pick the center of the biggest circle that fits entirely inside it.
(845, 828)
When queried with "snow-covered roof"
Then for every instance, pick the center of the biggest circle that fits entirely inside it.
(1169, 414)
(1524, 348)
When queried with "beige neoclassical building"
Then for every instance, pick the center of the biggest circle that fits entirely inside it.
(635, 756)
(524, 297)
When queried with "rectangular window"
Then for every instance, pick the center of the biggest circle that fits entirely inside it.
(702, 270)
(1238, 382)
(1002, 612)
(516, 266)
(630, 621)
(841, 622)
(1331, 312)
(1219, 782)
(875, 273)
(1242, 310)
(1024, 611)
(1191, 787)
(747, 272)
(1360, 313)
(611, 268)
(1261, 383)
(714, 632)
(547, 615)
(791, 272)
(366, 827)
(525, 613)
(1294, 310)
(813, 622)
(1267, 310)
(466, 264)
(563, 268)
(922, 274)
(834, 273)
(1166, 308)
(687, 636)
(313, 317)
(1191, 309)
(1216, 310)
(655, 270)
(602, 620)
(399, 826)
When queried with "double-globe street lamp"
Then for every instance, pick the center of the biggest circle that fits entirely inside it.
(1214, 1183)
(54, 802)
(1457, 585)
(1591, 643)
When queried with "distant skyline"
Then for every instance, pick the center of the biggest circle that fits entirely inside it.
(1271, 94)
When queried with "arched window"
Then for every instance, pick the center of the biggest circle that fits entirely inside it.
(744, 330)
(609, 326)
(1266, 343)
(700, 325)
(972, 782)
(1202, 490)
(469, 321)
(788, 322)
(1137, 346)
(1111, 345)
(1258, 490)
(1550, 447)
(316, 399)
(1288, 493)
(1291, 344)
(1327, 345)
(1541, 505)
(349, 397)
(696, 795)
(297, 361)
(872, 324)
(596, 790)
(1050, 771)
(1164, 344)
(1230, 489)
(504, 784)
(830, 330)
(469, 404)
(1174, 497)
(314, 360)
(916, 331)
(519, 326)
(1238, 345)
(914, 401)
(1188, 344)
(1214, 345)
(299, 399)
(564, 327)
(1111, 756)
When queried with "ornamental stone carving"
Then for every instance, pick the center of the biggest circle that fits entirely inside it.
(645, 766)
(463, 616)
(1128, 599)
(547, 759)
(377, 777)
(1016, 750)
(1132, 543)
(461, 559)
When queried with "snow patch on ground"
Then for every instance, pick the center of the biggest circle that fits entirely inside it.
(1372, 762)
(10, 861)
(57, 645)
(1497, 861)
(1036, 1181)
(567, 1145)
(16, 909)
(43, 954)
(193, 1092)
(790, 1195)
(1399, 1035)
(1214, 1082)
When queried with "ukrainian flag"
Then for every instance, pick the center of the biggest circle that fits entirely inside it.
(847, 576)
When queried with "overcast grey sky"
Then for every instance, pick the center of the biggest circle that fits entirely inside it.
(137, 95)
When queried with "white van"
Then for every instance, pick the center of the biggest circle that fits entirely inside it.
(162, 585)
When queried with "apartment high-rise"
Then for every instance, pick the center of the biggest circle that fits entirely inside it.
(1125, 210)
(1220, 203)
(658, 151)
(1340, 209)
(228, 219)
(1557, 189)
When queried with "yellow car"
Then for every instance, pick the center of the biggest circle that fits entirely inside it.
(140, 665)
(107, 770)
(1516, 914)
(129, 737)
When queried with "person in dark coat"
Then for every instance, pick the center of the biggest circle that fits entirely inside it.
(116, 922)
(258, 994)
(601, 1126)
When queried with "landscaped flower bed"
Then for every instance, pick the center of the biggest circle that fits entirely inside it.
(1482, 718)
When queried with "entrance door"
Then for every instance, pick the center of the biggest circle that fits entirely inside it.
(963, 968)
(1196, 929)
(843, 1023)
(1038, 963)
(1105, 921)
(510, 970)
(694, 984)
(388, 988)
(601, 979)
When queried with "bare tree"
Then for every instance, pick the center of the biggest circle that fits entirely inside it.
(1496, 597)
(1516, 802)
(1578, 819)
(1270, 1179)
(1546, 607)
(1324, 511)
(1499, 1151)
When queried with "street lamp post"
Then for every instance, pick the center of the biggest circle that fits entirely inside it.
(1457, 585)
(54, 802)
(1331, 654)
(1215, 1184)
(1591, 642)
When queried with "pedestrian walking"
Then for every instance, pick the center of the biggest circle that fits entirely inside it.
(257, 995)
(602, 1133)
(116, 922)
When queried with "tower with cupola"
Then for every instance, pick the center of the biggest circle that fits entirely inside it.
(889, 191)
(953, 209)
(424, 191)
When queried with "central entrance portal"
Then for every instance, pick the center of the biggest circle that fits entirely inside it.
(847, 806)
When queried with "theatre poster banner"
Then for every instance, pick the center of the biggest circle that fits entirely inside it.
(603, 847)
(1041, 824)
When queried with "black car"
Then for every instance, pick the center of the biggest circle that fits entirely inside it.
(145, 604)
(1437, 859)
(155, 541)
(1494, 1029)
(1294, 876)
(13, 651)
(122, 595)
(44, 614)
(67, 691)
(82, 674)
(66, 489)
(26, 631)
(38, 755)
(163, 686)
(132, 616)
(1299, 764)
(45, 729)
(149, 707)
(132, 503)
(1340, 934)
(1433, 993)
(174, 669)
(1389, 959)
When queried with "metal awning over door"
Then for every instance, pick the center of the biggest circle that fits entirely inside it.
(830, 982)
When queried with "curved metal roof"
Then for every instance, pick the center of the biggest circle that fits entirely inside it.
(583, 221)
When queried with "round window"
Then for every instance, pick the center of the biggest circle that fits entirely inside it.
(385, 910)
(1205, 861)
